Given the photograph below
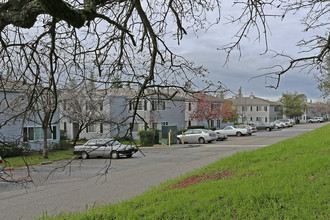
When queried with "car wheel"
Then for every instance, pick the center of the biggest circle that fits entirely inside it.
(179, 141)
(129, 155)
(238, 134)
(268, 129)
(84, 155)
(201, 140)
(114, 155)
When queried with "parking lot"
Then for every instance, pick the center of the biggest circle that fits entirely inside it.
(98, 181)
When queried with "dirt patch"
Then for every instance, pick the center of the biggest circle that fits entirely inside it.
(195, 179)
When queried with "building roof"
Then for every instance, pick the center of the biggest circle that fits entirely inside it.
(251, 100)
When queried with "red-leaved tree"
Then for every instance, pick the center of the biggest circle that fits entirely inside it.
(208, 108)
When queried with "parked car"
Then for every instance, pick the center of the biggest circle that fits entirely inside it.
(1, 168)
(232, 130)
(104, 148)
(197, 136)
(278, 124)
(292, 121)
(262, 126)
(252, 128)
(286, 122)
(221, 137)
(316, 120)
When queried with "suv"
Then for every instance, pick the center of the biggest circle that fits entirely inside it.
(315, 119)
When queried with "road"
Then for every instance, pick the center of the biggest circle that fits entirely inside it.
(82, 184)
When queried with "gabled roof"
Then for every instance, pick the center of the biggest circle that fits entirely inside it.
(251, 100)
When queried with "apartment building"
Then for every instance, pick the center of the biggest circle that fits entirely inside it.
(256, 109)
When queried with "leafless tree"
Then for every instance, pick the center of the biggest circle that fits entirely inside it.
(314, 16)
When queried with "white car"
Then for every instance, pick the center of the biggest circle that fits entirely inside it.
(232, 131)
(315, 120)
(278, 124)
(200, 136)
(104, 148)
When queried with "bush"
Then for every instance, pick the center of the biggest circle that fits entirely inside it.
(196, 127)
(146, 137)
(14, 149)
(63, 145)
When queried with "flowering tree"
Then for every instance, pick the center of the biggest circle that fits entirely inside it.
(207, 108)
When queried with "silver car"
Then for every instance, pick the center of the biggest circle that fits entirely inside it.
(104, 148)
(200, 136)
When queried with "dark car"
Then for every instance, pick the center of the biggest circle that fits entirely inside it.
(262, 126)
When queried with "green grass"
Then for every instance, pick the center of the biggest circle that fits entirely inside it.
(288, 180)
(37, 158)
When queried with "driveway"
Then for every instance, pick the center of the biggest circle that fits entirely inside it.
(83, 183)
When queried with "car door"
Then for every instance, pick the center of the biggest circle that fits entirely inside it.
(101, 150)
(188, 136)
(229, 130)
(196, 136)
(91, 147)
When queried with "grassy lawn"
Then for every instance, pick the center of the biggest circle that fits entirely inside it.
(288, 180)
(37, 158)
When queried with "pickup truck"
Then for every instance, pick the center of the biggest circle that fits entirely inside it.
(315, 120)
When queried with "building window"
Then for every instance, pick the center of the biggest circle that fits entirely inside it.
(158, 105)
(265, 119)
(251, 108)
(90, 128)
(189, 106)
(212, 123)
(140, 106)
(189, 123)
(101, 105)
(164, 123)
(64, 124)
(258, 108)
(265, 108)
(244, 108)
(37, 134)
(101, 128)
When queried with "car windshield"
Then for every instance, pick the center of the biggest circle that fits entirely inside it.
(112, 142)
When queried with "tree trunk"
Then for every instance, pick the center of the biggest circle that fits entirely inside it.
(45, 148)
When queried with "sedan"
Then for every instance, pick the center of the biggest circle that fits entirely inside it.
(200, 136)
(262, 126)
(104, 148)
(221, 137)
(232, 130)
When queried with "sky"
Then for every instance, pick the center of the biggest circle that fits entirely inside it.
(239, 71)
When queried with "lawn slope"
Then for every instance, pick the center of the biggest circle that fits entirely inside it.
(287, 180)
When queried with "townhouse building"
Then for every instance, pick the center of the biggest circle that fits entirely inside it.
(256, 109)
(195, 102)
(153, 111)
(20, 124)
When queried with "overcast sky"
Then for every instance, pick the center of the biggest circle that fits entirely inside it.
(238, 73)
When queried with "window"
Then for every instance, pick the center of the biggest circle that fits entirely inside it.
(65, 129)
(265, 108)
(90, 128)
(139, 106)
(158, 105)
(164, 123)
(101, 128)
(101, 105)
(258, 108)
(251, 108)
(37, 134)
(258, 119)
(265, 119)
(244, 108)
(189, 106)
(212, 123)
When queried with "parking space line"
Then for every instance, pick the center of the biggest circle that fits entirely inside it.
(236, 145)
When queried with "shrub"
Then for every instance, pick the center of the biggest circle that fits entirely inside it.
(196, 127)
(146, 137)
(14, 149)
